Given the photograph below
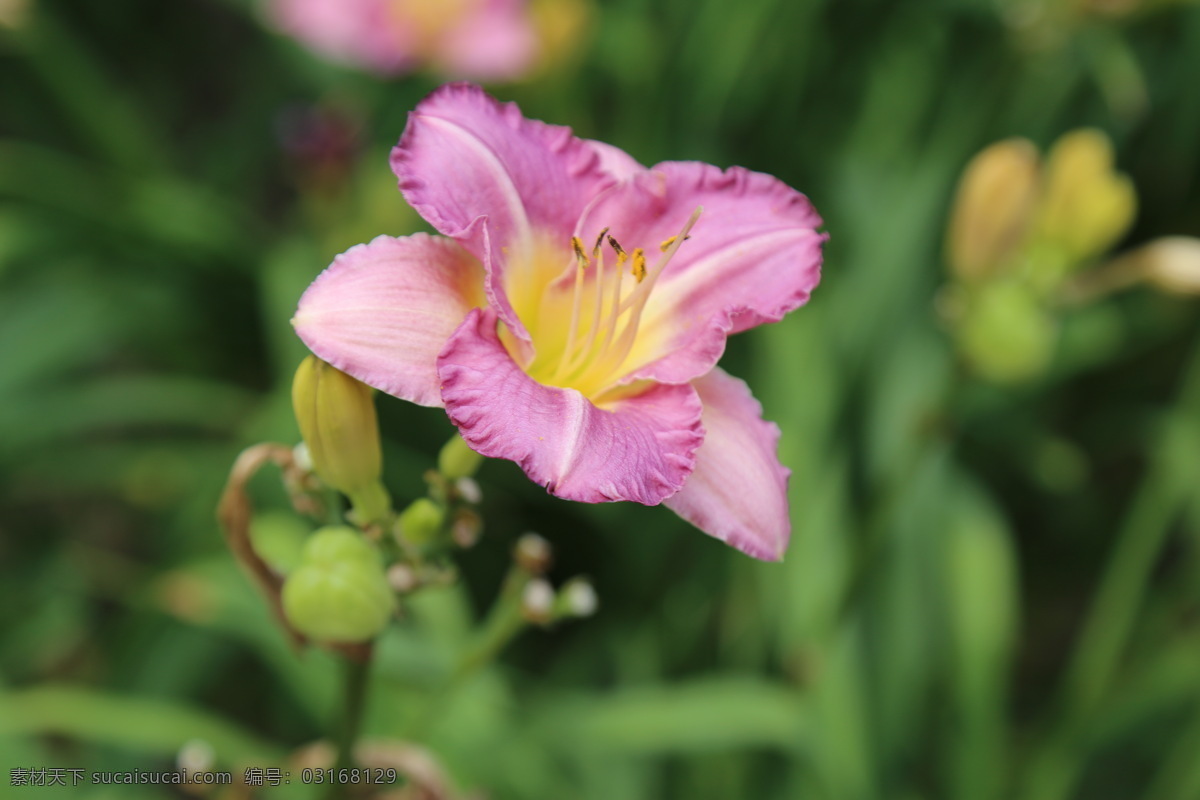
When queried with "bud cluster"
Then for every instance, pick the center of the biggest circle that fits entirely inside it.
(339, 586)
(1019, 232)
(340, 592)
(540, 604)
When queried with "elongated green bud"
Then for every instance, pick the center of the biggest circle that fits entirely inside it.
(457, 460)
(336, 415)
(340, 592)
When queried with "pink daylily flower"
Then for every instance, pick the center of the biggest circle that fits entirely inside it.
(572, 314)
(491, 40)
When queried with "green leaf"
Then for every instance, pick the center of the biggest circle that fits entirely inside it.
(155, 727)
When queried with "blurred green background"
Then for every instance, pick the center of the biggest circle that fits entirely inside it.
(991, 592)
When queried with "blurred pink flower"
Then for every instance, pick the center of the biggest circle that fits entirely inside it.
(550, 336)
(479, 39)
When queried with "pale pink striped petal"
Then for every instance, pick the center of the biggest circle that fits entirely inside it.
(738, 491)
(383, 311)
(509, 189)
(639, 448)
(753, 256)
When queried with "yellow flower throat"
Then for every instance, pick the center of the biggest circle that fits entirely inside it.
(589, 340)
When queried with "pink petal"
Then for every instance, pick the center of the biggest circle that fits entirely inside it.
(504, 186)
(639, 448)
(361, 33)
(495, 42)
(615, 161)
(754, 255)
(738, 491)
(383, 311)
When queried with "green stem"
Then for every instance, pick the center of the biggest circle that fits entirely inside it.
(503, 623)
(354, 702)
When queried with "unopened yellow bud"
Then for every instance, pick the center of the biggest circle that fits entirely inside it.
(1086, 205)
(337, 419)
(993, 208)
(340, 592)
(1006, 335)
(561, 26)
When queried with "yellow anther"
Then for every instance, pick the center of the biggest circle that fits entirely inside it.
(666, 245)
(639, 264)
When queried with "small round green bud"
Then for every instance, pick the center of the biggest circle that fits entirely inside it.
(577, 598)
(468, 489)
(1006, 336)
(340, 592)
(533, 554)
(457, 459)
(537, 602)
(421, 522)
(196, 755)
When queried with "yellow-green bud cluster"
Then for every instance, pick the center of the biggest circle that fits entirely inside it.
(1019, 229)
(340, 591)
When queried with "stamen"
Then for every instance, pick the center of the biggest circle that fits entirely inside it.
(577, 246)
(617, 249)
(639, 295)
(636, 302)
(597, 358)
(599, 241)
(668, 242)
(576, 301)
(611, 319)
(594, 328)
(639, 264)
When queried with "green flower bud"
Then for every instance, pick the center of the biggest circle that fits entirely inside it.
(576, 598)
(457, 459)
(533, 554)
(421, 522)
(340, 592)
(337, 419)
(1006, 336)
(538, 601)
(992, 208)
